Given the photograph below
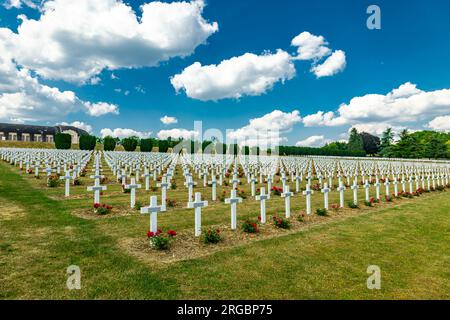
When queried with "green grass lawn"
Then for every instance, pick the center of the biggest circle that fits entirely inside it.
(40, 237)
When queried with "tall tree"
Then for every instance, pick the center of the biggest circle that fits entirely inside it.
(371, 143)
(355, 141)
(436, 148)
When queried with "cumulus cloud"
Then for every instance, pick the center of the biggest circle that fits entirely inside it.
(168, 120)
(334, 64)
(246, 75)
(441, 123)
(404, 105)
(376, 128)
(75, 40)
(18, 4)
(315, 48)
(24, 98)
(178, 134)
(100, 108)
(266, 130)
(123, 133)
(78, 124)
(313, 141)
(310, 47)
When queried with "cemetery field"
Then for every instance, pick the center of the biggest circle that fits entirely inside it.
(42, 233)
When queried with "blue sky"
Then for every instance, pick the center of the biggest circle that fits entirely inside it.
(413, 46)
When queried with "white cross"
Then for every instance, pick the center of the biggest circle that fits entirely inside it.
(233, 200)
(395, 187)
(147, 175)
(235, 181)
(387, 184)
(367, 187)
(153, 210)
(287, 200)
(163, 185)
(325, 192)
(190, 184)
(97, 188)
(355, 187)
(253, 180)
(213, 184)
(377, 188)
(67, 178)
(308, 192)
(341, 190)
(198, 204)
(262, 199)
(132, 186)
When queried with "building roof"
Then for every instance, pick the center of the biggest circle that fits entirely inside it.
(31, 129)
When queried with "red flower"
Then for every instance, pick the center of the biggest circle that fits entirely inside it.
(158, 232)
(218, 230)
(150, 234)
(259, 218)
(96, 205)
(172, 233)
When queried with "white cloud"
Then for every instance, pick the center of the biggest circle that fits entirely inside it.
(441, 123)
(94, 81)
(246, 75)
(177, 134)
(404, 105)
(310, 47)
(18, 4)
(313, 141)
(123, 133)
(334, 64)
(78, 124)
(101, 108)
(376, 128)
(24, 98)
(315, 48)
(168, 120)
(266, 130)
(75, 40)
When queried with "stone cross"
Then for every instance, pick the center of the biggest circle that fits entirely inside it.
(325, 192)
(97, 188)
(147, 175)
(355, 187)
(153, 210)
(235, 181)
(395, 187)
(253, 181)
(67, 178)
(132, 186)
(213, 184)
(163, 185)
(341, 190)
(198, 204)
(287, 200)
(377, 188)
(308, 192)
(269, 185)
(297, 183)
(190, 185)
(233, 200)
(387, 184)
(262, 199)
(367, 187)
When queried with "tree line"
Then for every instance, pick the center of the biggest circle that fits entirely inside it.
(419, 144)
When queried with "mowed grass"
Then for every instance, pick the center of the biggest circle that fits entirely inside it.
(40, 238)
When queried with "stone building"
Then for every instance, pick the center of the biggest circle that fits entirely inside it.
(30, 133)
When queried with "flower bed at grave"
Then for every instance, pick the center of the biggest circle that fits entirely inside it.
(125, 190)
(277, 191)
(53, 181)
(102, 209)
(160, 240)
(250, 227)
(281, 223)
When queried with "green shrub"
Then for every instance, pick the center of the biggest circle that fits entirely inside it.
(352, 205)
(212, 236)
(281, 223)
(109, 143)
(146, 145)
(250, 227)
(53, 181)
(321, 212)
(63, 141)
(87, 142)
(130, 144)
(160, 240)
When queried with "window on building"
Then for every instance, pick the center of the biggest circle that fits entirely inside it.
(38, 138)
(2, 136)
(12, 136)
(49, 138)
